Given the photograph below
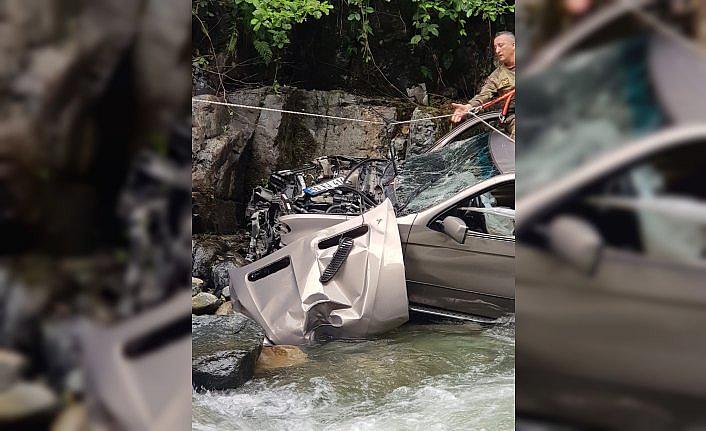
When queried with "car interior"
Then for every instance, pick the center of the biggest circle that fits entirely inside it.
(490, 212)
(616, 206)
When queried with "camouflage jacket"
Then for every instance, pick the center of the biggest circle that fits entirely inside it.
(498, 83)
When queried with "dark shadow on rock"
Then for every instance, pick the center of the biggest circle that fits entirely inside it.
(224, 351)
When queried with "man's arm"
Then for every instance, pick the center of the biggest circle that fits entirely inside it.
(488, 92)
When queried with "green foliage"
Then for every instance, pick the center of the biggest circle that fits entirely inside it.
(429, 13)
(359, 12)
(268, 22)
(199, 61)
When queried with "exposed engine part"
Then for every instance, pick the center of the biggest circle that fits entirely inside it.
(329, 184)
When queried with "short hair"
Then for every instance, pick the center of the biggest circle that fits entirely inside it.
(504, 33)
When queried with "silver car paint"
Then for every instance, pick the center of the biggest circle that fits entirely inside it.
(139, 392)
(473, 278)
(367, 296)
(477, 277)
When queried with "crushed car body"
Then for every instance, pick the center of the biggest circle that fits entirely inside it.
(348, 186)
(433, 233)
(345, 281)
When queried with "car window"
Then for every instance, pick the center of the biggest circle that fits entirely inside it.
(491, 212)
(590, 103)
(474, 130)
(427, 179)
(656, 208)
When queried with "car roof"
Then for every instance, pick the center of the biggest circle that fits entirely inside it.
(502, 150)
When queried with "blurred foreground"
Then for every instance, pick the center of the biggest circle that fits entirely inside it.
(611, 263)
(94, 214)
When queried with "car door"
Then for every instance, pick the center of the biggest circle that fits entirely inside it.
(474, 277)
(613, 335)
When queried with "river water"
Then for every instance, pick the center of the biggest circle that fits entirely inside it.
(422, 376)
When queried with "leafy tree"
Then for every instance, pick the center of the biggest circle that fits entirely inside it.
(271, 21)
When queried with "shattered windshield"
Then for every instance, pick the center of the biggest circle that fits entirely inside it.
(425, 180)
(583, 106)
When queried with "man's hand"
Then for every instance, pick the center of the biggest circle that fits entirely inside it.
(460, 111)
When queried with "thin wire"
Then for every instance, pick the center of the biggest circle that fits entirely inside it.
(488, 124)
(284, 111)
(335, 117)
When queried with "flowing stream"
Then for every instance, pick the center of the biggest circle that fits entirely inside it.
(422, 376)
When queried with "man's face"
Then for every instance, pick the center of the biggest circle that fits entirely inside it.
(505, 49)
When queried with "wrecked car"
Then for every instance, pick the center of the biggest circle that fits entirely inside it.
(613, 220)
(343, 281)
(348, 256)
(455, 211)
(335, 184)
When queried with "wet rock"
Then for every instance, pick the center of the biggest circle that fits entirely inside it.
(226, 293)
(219, 273)
(207, 120)
(264, 149)
(224, 351)
(204, 254)
(399, 143)
(213, 214)
(205, 303)
(196, 286)
(26, 403)
(11, 366)
(222, 142)
(282, 356)
(219, 252)
(225, 309)
(422, 134)
(331, 137)
(215, 162)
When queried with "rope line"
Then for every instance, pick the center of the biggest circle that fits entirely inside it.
(284, 111)
(488, 124)
(335, 117)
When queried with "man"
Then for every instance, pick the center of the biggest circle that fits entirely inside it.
(500, 82)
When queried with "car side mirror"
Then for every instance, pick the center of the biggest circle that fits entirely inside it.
(575, 241)
(455, 228)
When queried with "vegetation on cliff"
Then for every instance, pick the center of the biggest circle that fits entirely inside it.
(370, 46)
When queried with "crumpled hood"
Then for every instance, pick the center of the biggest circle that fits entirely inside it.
(368, 295)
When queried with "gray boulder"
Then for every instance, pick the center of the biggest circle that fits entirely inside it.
(205, 303)
(419, 94)
(212, 255)
(221, 148)
(422, 134)
(226, 293)
(196, 286)
(225, 308)
(205, 252)
(219, 273)
(224, 351)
